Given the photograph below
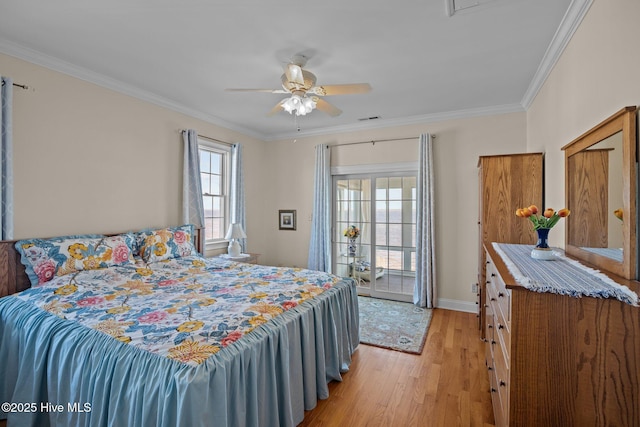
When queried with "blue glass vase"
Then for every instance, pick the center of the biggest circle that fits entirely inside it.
(542, 250)
(543, 238)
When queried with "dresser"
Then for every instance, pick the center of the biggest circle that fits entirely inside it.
(506, 182)
(556, 360)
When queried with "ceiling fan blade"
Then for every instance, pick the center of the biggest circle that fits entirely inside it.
(346, 89)
(294, 74)
(276, 109)
(258, 90)
(328, 108)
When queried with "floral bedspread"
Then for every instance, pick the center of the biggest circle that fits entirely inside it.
(185, 309)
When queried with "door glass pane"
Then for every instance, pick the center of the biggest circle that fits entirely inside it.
(381, 210)
(395, 234)
(395, 188)
(381, 235)
(395, 211)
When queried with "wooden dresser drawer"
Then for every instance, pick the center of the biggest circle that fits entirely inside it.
(501, 367)
(489, 332)
(503, 295)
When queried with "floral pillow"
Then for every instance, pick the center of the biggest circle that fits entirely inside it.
(167, 243)
(45, 258)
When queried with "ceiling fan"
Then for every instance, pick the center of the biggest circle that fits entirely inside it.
(305, 95)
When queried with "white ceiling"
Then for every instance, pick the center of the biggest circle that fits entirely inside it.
(422, 64)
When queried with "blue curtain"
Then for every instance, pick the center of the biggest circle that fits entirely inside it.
(320, 243)
(192, 205)
(236, 194)
(424, 293)
(6, 162)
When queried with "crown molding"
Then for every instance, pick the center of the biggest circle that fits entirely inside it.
(570, 23)
(55, 64)
(402, 121)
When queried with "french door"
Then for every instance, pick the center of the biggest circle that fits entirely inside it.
(383, 208)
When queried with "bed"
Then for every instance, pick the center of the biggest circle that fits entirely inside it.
(138, 329)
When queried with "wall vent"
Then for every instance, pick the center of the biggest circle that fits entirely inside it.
(364, 119)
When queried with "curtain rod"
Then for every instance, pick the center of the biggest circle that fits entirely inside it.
(210, 139)
(373, 141)
(25, 87)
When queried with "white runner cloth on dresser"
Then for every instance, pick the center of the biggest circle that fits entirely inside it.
(562, 275)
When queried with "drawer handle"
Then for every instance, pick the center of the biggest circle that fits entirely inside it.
(490, 326)
(500, 326)
(493, 274)
(500, 294)
(488, 262)
(489, 368)
(488, 282)
(493, 390)
(502, 384)
(493, 342)
(486, 306)
(493, 299)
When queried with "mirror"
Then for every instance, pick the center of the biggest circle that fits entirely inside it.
(600, 168)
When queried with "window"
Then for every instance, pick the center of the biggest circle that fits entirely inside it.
(215, 178)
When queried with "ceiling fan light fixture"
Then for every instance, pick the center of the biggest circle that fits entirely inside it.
(300, 105)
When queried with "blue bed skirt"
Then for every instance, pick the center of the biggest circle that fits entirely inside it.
(59, 373)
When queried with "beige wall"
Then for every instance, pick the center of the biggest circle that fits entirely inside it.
(595, 77)
(89, 159)
(457, 146)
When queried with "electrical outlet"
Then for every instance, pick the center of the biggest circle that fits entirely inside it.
(474, 288)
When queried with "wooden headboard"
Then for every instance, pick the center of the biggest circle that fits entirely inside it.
(13, 277)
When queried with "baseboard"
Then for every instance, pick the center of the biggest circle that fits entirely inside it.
(457, 305)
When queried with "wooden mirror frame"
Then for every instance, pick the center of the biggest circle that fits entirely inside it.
(623, 121)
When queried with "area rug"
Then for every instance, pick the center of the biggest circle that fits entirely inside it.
(395, 325)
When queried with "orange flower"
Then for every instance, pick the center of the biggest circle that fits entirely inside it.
(618, 213)
(548, 219)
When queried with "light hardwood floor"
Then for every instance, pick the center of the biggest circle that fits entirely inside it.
(447, 385)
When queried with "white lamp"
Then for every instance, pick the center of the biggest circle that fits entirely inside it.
(234, 233)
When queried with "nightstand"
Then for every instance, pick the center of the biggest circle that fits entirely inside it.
(249, 258)
(352, 267)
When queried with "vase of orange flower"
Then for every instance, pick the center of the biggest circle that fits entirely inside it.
(352, 233)
(542, 223)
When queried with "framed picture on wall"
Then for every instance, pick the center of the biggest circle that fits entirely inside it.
(287, 219)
